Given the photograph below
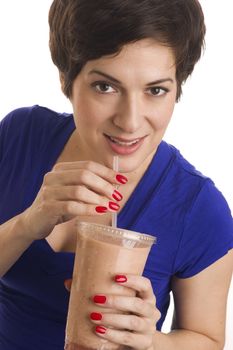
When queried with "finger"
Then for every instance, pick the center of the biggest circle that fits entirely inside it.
(73, 193)
(126, 304)
(132, 340)
(80, 177)
(124, 321)
(99, 169)
(70, 209)
(67, 284)
(141, 284)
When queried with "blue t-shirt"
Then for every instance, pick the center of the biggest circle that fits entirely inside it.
(173, 201)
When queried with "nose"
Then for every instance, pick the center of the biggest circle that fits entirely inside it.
(128, 117)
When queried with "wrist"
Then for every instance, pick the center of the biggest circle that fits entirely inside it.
(23, 229)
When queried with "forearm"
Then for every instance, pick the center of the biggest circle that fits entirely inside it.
(183, 340)
(13, 242)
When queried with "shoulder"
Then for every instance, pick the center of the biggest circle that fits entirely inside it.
(180, 181)
(196, 214)
(182, 165)
(207, 232)
(30, 125)
(207, 202)
(190, 180)
(26, 116)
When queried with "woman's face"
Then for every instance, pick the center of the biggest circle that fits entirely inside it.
(123, 104)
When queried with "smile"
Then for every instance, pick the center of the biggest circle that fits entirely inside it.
(124, 146)
(123, 143)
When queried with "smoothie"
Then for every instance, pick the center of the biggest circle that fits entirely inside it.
(101, 253)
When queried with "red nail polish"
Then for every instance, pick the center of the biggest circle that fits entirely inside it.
(101, 209)
(121, 178)
(96, 316)
(100, 329)
(113, 206)
(120, 278)
(117, 195)
(99, 299)
(68, 284)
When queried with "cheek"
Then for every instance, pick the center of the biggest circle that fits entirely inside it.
(91, 110)
(162, 115)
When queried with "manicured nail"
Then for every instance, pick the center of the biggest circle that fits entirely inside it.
(67, 284)
(96, 316)
(120, 278)
(100, 329)
(117, 195)
(121, 178)
(101, 209)
(113, 206)
(99, 299)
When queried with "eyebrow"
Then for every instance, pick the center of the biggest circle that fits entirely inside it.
(114, 80)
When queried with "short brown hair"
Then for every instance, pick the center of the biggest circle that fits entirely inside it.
(83, 30)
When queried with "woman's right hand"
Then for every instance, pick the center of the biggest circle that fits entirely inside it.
(70, 190)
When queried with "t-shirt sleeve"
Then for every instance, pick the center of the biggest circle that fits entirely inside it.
(12, 131)
(4, 126)
(208, 232)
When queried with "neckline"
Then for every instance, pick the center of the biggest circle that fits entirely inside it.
(62, 138)
(148, 185)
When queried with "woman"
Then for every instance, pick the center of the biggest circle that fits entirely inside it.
(122, 65)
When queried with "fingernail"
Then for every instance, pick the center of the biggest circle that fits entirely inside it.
(120, 278)
(121, 178)
(101, 209)
(99, 299)
(117, 195)
(67, 284)
(96, 316)
(100, 329)
(113, 206)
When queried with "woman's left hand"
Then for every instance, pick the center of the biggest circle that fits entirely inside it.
(135, 325)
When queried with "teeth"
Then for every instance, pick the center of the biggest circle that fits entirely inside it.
(130, 143)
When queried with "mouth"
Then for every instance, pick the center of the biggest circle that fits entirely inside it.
(124, 146)
(122, 142)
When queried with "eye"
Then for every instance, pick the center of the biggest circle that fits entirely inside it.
(103, 87)
(157, 91)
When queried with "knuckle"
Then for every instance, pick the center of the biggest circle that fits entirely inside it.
(89, 165)
(157, 314)
(58, 166)
(147, 284)
(135, 323)
(69, 207)
(78, 192)
(127, 338)
(44, 193)
(44, 207)
(151, 310)
(47, 178)
(84, 176)
(138, 305)
(150, 325)
(153, 299)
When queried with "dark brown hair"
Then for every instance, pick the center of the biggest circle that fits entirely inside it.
(83, 30)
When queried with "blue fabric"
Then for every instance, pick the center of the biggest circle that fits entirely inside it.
(173, 201)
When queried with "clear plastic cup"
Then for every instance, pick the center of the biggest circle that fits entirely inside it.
(101, 253)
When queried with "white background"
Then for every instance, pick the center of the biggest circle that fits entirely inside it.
(202, 123)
